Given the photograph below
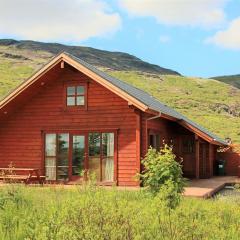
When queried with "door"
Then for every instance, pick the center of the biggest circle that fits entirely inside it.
(203, 160)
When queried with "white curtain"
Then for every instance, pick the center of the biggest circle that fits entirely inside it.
(109, 165)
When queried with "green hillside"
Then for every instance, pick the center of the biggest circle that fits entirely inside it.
(233, 80)
(213, 104)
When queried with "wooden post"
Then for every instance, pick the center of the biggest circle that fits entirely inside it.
(197, 156)
(138, 142)
(210, 160)
(146, 136)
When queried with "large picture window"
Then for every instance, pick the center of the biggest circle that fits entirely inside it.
(69, 155)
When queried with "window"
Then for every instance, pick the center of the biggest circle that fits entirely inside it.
(154, 141)
(56, 156)
(78, 154)
(67, 155)
(188, 146)
(76, 95)
(101, 156)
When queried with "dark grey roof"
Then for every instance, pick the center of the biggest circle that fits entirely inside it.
(145, 98)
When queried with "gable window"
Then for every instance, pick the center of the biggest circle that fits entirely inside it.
(76, 95)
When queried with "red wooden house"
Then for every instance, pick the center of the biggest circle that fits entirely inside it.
(70, 117)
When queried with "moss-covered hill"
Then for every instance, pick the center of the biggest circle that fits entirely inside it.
(233, 80)
(211, 103)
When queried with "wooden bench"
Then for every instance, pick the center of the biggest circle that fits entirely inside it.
(14, 174)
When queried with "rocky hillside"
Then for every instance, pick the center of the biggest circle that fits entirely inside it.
(105, 59)
(213, 104)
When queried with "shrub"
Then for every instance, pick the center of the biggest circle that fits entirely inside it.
(162, 173)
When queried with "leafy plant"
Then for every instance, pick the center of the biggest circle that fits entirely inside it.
(162, 175)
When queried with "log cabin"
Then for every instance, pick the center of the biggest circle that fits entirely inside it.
(70, 117)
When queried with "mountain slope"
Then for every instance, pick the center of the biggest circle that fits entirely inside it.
(100, 58)
(211, 103)
(233, 80)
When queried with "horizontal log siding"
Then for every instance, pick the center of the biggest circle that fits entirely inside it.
(173, 134)
(21, 133)
(160, 125)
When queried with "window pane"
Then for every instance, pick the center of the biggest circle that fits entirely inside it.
(154, 141)
(188, 145)
(94, 144)
(70, 101)
(50, 145)
(50, 168)
(94, 154)
(151, 141)
(70, 91)
(80, 100)
(108, 157)
(50, 156)
(108, 144)
(80, 90)
(78, 155)
(62, 159)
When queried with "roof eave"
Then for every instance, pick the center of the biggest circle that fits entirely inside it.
(191, 128)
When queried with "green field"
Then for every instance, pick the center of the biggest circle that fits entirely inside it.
(29, 213)
(211, 103)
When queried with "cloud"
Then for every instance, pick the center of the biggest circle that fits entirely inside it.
(229, 38)
(204, 13)
(164, 39)
(65, 20)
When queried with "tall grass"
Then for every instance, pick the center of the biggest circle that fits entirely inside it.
(97, 213)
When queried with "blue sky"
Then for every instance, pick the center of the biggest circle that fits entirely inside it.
(193, 37)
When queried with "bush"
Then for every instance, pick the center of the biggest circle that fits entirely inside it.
(162, 173)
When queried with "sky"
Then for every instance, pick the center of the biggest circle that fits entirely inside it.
(194, 37)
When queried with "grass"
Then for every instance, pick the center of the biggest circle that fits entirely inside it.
(12, 75)
(232, 80)
(95, 213)
(14, 71)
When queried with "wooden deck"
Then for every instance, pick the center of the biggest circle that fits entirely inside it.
(201, 188)
(206, 188)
